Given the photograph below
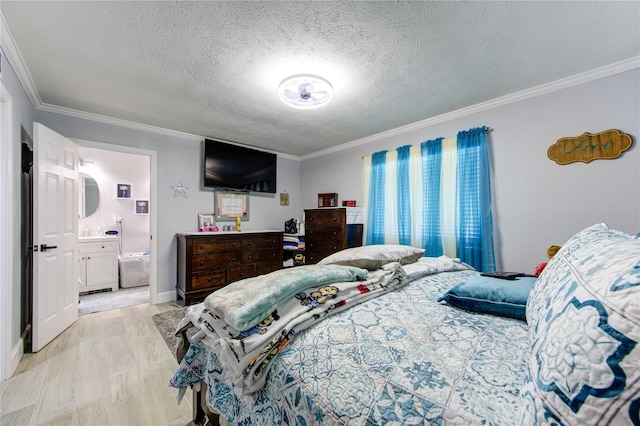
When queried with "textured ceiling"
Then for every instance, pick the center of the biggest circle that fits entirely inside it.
(212, 68)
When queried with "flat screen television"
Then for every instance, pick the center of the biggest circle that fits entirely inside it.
(237, 167)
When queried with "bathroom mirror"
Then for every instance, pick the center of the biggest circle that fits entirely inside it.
(89, 195)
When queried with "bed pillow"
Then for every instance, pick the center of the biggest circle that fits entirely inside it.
(584, 329)
(506, 298)
(374, 256)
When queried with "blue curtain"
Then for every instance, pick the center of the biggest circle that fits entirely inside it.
(434, 210)
(375, 214)
(404, 196)
(431, 152)
(474, 229)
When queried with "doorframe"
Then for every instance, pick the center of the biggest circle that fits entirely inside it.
(9, 357)
(153, 203)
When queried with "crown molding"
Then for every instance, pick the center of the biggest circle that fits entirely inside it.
(585, 77)
(16, 62)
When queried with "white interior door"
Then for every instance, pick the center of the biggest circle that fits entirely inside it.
(55, 222)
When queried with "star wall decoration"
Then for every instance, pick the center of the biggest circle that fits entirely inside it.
(179, 190)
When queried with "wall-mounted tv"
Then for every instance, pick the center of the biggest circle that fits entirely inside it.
(237, 167)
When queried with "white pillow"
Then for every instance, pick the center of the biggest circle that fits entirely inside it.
(374, 256)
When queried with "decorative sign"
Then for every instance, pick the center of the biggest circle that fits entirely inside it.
(230, 205)
(606, 145)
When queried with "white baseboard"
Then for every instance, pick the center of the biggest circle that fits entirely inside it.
(165, 297)
(16, 355)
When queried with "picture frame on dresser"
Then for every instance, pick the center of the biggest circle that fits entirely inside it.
(228, 205)
(206, 222)
(328, 200)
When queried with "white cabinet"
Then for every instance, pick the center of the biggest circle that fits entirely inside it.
(98, 257)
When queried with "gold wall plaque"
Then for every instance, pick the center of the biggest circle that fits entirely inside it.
(605, 145)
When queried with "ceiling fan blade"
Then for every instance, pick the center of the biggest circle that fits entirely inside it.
(290, 94)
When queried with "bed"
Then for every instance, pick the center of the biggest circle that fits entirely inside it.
(441, 344)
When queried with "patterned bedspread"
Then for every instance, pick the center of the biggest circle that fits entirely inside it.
(401, 358)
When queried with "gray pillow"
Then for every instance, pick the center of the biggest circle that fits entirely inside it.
(374, 256)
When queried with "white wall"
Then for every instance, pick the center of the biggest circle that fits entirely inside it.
(110, 168)
(537, 202)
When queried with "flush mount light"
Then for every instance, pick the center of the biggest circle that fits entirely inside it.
(305, 91)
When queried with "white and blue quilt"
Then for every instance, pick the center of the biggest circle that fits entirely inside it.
(400, 358)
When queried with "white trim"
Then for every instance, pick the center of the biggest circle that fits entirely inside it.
(154, 297)
(585, 77)
(165, 297)
(10, 49)
(8, 362)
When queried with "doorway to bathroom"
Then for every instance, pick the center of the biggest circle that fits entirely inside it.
(114, 227)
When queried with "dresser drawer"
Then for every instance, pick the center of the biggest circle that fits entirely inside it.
(262, 242)
(206, 262)
(329, 217)
(238, 273)
(261, 255)
(266, 267)
(330, 233)
(216, 246)
(328, 242)
(209, 280)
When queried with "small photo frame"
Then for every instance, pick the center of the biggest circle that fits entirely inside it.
(328, 200)
(206, 222)
(142, 207)
(123, 190)
(229, 205)
(284, 199)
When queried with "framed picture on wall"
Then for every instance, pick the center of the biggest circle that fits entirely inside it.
(142, 207)
(124, 190)
(229, 205)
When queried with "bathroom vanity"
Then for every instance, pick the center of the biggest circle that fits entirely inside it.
(98, 257)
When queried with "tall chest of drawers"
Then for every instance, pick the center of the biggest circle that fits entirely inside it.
(208, 262)
(327, 232)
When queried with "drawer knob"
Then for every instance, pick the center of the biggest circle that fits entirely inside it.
(201, 247)
(201, 262)
(209, 279)
(249, 257)
(249, 243)
(335, 219)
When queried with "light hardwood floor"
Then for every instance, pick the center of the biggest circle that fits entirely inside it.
(109, 368)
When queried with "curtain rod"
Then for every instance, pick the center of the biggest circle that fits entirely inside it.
(485, 128)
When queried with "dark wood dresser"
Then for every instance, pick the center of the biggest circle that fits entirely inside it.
(207, 262)
(327, 231)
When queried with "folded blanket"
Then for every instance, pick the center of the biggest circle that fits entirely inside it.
(246, 355)
(243, 304)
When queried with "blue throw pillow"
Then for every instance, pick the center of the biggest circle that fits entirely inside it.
(506, 298)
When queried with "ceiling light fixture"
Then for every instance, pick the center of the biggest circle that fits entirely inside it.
(305, 91)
